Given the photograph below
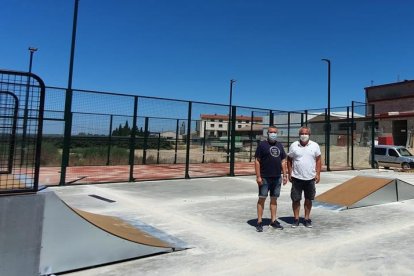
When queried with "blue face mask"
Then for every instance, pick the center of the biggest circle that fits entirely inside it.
(272, 137)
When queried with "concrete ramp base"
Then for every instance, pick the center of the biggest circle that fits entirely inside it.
(363, 191)
(51, 237)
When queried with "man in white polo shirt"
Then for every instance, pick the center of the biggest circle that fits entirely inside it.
(304, 169)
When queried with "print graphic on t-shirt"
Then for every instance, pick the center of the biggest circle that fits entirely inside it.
(274, 151)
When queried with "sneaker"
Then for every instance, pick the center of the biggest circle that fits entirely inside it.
(259, 227)
(276, 225)
(295, 223)
(308, 223)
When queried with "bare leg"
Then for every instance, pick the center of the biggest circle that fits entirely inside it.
(308, 207)
(273, 209)
(260, 207)
(296, 209)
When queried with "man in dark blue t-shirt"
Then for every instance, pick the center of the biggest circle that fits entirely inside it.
(270, 162)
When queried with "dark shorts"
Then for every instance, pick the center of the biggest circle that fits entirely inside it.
(299, 186)
(272, 185)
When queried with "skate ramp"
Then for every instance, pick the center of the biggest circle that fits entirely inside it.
(363, 191)
(121, 229)
(56, 238)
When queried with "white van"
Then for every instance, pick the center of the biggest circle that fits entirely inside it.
(392, 156)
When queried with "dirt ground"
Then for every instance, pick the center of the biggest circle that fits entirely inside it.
(339, 156)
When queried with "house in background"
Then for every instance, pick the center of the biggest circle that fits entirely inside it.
(394, 110)
(171, 135)
(341, 128)
(216, 125)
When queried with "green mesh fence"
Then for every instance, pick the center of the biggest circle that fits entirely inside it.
(21, 121)
(118, 137)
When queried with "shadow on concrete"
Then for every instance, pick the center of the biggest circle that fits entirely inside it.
(266, 221)
(253, 222)
(289, 220)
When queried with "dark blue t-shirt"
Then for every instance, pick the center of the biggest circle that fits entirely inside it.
(271, 156)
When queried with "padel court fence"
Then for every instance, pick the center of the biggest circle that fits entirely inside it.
(96, 137)
(21, 118)
(119, 137)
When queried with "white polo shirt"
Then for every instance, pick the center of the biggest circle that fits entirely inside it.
(304, 159)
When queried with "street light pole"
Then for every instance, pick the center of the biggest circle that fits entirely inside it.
(32, 50)
(328, 124)
(229, 124)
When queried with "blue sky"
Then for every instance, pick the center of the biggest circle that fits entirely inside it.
(190, 49)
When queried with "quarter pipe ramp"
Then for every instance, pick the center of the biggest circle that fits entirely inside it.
(51, 237)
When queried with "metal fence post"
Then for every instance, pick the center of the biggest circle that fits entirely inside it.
(25, 115)
(67, 137)
(251, 136)
(288, 134)
(108, 156)
(158, 148)
(145, 144)
(204, 141)
(372, 135)
(39, 133)
(188, 142)
(233, 140)
(176, 141)
(132, 141)
(352, 135)
(271, 119)
(228, 124)
(328, 141)
(347, 135)
(306, 118)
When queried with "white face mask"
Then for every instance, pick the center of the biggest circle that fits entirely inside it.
(272, 137)
(304, 137)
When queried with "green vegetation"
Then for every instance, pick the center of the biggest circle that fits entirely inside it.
(126, 130)
(50, 154)
(97, 155)
(89, 149)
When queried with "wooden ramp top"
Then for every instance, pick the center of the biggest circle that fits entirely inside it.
(353, 190)
(121, 229)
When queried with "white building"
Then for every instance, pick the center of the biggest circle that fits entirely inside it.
(216, 125)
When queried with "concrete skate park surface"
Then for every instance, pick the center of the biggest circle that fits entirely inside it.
(216, 217)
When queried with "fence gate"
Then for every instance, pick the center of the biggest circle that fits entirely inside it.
(21, 118)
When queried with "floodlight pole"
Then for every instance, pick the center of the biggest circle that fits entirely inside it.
(32, 50)
(68, 102)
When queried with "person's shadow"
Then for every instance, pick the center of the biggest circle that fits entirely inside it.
(289, 220)
(266, 221)
(253, 222)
